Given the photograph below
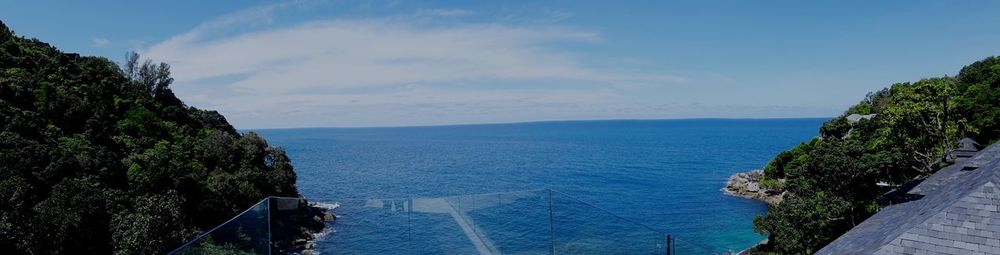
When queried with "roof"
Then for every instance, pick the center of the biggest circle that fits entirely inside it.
(857, 117)
(967, 144)
(959, 214)
(959, 154)
(949, 173)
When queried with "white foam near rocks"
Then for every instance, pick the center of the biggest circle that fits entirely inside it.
(326, 206)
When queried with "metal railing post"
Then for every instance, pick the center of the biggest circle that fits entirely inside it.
(552, 227)
(669, 244)
(409, 226)
(270, 243)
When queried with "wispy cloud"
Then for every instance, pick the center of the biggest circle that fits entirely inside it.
(535, 15)
(244, 19)
(444, 12)
(384, 66)
(101, 42)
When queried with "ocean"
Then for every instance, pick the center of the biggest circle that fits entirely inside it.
(666, 175)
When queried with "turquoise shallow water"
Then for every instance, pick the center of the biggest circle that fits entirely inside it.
(666, 174)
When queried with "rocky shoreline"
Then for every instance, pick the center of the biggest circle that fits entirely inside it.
(294, 223)
(747, 185)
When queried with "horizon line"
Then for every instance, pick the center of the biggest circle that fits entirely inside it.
(527, 122)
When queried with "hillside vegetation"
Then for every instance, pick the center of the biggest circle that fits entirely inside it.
(832, 179)
(97, 158)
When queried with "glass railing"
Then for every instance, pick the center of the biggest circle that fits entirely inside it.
(499, 223)
(581, 228)
(247, 233)
(524, 222)
(681, 245)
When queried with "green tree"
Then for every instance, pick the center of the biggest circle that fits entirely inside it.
(802, 225)
(102, 159)
(922, 119)
(980, 98)
(831, 183)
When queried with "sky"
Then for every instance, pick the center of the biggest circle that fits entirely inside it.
(314, 63)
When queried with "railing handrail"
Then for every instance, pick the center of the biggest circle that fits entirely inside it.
(444, 197)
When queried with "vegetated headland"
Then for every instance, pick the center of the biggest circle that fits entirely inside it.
(902, 133)
(101, 158)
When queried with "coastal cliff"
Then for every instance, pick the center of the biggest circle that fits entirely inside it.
(747, 185)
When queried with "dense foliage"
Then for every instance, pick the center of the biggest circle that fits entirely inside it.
(831, 180)
(97, 158)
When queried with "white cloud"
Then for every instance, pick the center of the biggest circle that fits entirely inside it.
(388, 71)
(246, 18)
(350, 53)
(101, 42)
(444, 12)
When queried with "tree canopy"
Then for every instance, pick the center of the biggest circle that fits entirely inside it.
(99, 158)
(831, 180)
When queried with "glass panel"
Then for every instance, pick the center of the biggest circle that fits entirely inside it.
(441, 226)
(497, 223)
(504, 223)
(684, 246)
(247, 233)
(524, 222)
(371, 226)
(581, 228)
(513, 222)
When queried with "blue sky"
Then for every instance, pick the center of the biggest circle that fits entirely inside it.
(392, 63)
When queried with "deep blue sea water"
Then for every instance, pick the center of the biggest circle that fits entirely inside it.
(666, 174)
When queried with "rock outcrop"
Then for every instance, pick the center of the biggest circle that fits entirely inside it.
(293, 223)
(748, 185)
